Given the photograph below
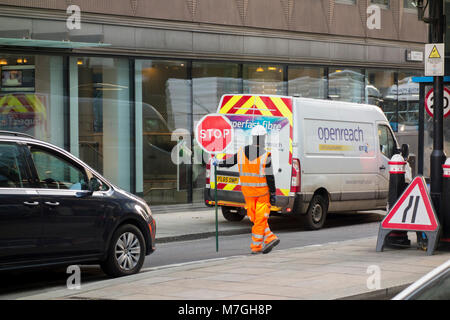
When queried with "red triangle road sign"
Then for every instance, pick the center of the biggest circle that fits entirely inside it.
(413, 211)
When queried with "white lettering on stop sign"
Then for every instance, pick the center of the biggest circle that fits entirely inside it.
(214, 133)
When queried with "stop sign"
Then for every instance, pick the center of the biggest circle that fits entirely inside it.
(214, 133)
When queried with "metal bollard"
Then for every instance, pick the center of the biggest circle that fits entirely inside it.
(444, 216)
(396, 187)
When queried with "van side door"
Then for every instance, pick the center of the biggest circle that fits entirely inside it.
(387, 146)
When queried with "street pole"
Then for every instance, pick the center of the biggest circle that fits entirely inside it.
(215, 205)
(437, 157)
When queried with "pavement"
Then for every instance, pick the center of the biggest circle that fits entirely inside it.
(350, 269)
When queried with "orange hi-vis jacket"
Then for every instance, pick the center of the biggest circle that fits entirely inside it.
(251, 174)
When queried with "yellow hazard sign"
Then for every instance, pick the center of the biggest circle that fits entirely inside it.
(434, 53)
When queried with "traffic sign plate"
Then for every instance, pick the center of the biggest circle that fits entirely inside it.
(214, 133)
(429, 102)
(434, 59)
(413, 211)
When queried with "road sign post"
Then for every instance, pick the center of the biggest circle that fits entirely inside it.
(413, 211)
(436, 57)
(214, 133)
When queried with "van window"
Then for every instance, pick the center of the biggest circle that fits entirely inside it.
(56, 172)
(387, 142)
(12, 167)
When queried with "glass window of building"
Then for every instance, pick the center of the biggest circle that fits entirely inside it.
(381, 90)
(101, 116)
(346, 84)
(408, 101)
(163, 99)
(346, 1)
(382, 3)
(31, 96)
(264, 79)
(409, 4)
(310, 82)
(210, 80)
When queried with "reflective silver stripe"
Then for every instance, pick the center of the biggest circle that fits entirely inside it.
(261, 164)
(257, 236)
(261, 159)
(240, 160)
(257, 243)
(246, 184)
(252, 175)
(267, 230)
(270, 234)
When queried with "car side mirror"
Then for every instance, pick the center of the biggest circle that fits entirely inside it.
(94, 185)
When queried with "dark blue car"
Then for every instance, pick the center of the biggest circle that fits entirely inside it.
(56, 210)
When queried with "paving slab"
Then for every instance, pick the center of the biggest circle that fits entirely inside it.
(328, 271)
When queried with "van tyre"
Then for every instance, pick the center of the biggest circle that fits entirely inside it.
(316, 214)
(126, 252)
(233, 214)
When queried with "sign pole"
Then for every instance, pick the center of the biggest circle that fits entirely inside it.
(215, 203)
(437, 157)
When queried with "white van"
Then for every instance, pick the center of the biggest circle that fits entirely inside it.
(327, 156)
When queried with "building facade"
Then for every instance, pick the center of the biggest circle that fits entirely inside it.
(120, 83)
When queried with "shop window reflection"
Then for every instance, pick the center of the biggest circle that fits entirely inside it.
(381, 90)
(309, 82)
(164, 93)
(408, 101)
(31, 96)
(264, 79)
(345, 84)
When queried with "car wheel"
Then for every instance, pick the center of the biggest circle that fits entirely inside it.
(232, 214)
(316, 214)
(126, 253)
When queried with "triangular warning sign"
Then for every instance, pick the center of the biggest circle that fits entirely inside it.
(434, 53)
(413, 211)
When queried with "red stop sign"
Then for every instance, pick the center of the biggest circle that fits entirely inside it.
(214, 133)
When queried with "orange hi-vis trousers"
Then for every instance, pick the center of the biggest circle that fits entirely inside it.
(258, 210)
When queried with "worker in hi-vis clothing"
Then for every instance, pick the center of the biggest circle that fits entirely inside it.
(258, 186)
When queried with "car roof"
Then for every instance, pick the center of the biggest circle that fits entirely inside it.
(16, 134)
(23, 137)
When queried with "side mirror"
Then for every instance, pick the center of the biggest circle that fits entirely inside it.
(405, 151)
(94, 185)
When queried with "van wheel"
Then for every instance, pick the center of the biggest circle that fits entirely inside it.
(126, 252)
(316, 214)
(232, 214)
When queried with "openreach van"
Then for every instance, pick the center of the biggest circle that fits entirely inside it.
(327, 156)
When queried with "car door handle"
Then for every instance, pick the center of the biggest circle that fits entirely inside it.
(53, 204)
(35, 203)
(382, 167)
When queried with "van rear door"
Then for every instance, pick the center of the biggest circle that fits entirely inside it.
(273, 113)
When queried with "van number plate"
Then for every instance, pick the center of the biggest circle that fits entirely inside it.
(225, 179)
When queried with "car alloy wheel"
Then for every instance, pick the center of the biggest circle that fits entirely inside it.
(127, 251)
